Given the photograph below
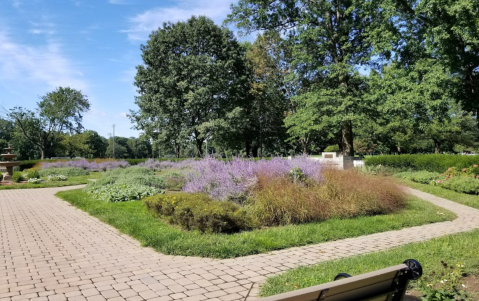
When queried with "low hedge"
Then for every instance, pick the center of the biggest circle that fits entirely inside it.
(198, 212)
(433, 163)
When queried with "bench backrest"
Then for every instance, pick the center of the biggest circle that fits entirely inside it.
(388, 284)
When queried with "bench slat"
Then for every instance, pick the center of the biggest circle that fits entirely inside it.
(352, 288)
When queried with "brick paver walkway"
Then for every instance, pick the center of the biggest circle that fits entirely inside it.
(51, 251)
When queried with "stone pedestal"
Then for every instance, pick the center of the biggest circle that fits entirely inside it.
(345, 162)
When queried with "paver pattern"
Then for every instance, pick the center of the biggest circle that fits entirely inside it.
(51, 251)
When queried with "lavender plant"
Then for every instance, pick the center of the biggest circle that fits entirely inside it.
(84, 164)
(233, 180)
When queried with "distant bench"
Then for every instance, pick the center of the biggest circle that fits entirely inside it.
(388, 284)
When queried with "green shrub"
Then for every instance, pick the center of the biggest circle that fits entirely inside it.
(463, 184)
(433, 163)
(135, 161)
(132, 175)
(424, 177)
(133, 170)
(198, 212)
(122, 192)
(332, 148)
(33, 174)
(146, 180)
(173, 180)
(66, 171)
(27, 164)
(18, 176)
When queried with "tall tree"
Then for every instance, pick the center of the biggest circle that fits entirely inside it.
(58, 111)
(444, 30)
(331, 38)
(193, 73)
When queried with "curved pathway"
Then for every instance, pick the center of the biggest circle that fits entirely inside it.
(51, 251)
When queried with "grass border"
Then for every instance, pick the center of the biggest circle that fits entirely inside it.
(133, 219)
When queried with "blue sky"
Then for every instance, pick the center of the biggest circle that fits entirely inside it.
(88, 45)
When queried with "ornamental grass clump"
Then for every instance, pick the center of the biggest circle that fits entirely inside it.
(341, 194)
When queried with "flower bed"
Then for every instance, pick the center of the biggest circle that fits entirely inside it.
(465, 180)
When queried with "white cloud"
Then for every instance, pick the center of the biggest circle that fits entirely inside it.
(41, 31)
(16, 3)
(21, 63)
(118, 2)
(143, 24)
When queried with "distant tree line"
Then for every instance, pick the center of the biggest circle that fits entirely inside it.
(367, 76)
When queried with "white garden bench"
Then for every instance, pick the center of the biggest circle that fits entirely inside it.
(388, 284)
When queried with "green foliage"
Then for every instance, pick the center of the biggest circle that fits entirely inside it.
(297, 175)
(185, 95)
(199, 212)
(122, 192)
(451, 248)
(445, 285)
(462, 184)
(66, 171)
(18, 176)
(57, 178)
(332, 148)
(132, 175)
(58, 111)
(433, 163)
(135, 161)
(423, 177)
(34, 181)
(173, 180)
(33, 174)
(27, 164)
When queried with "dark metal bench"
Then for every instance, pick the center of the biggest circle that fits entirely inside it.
(388, 284)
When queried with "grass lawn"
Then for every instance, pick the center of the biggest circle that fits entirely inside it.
(72, 181)
(461, 198)
(133, 219)
(451, 249)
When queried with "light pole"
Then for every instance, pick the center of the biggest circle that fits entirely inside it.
(113, 141)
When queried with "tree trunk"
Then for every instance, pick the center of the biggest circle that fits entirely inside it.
(42, 152)
(199, 148)
(255, 151)
(399, 149)
(177, 150)
(347, 139)
(437, 146)
(304, 145)
(248, 148)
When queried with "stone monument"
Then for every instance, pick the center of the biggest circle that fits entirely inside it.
(8, 164)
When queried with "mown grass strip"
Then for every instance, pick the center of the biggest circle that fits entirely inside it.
(70, 182)
(461, 198)
(133, 219)
(451, 249)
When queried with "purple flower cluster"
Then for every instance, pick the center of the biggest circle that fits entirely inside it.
(221, 180)
(84, 164)
(160, 165)
(234, 179)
